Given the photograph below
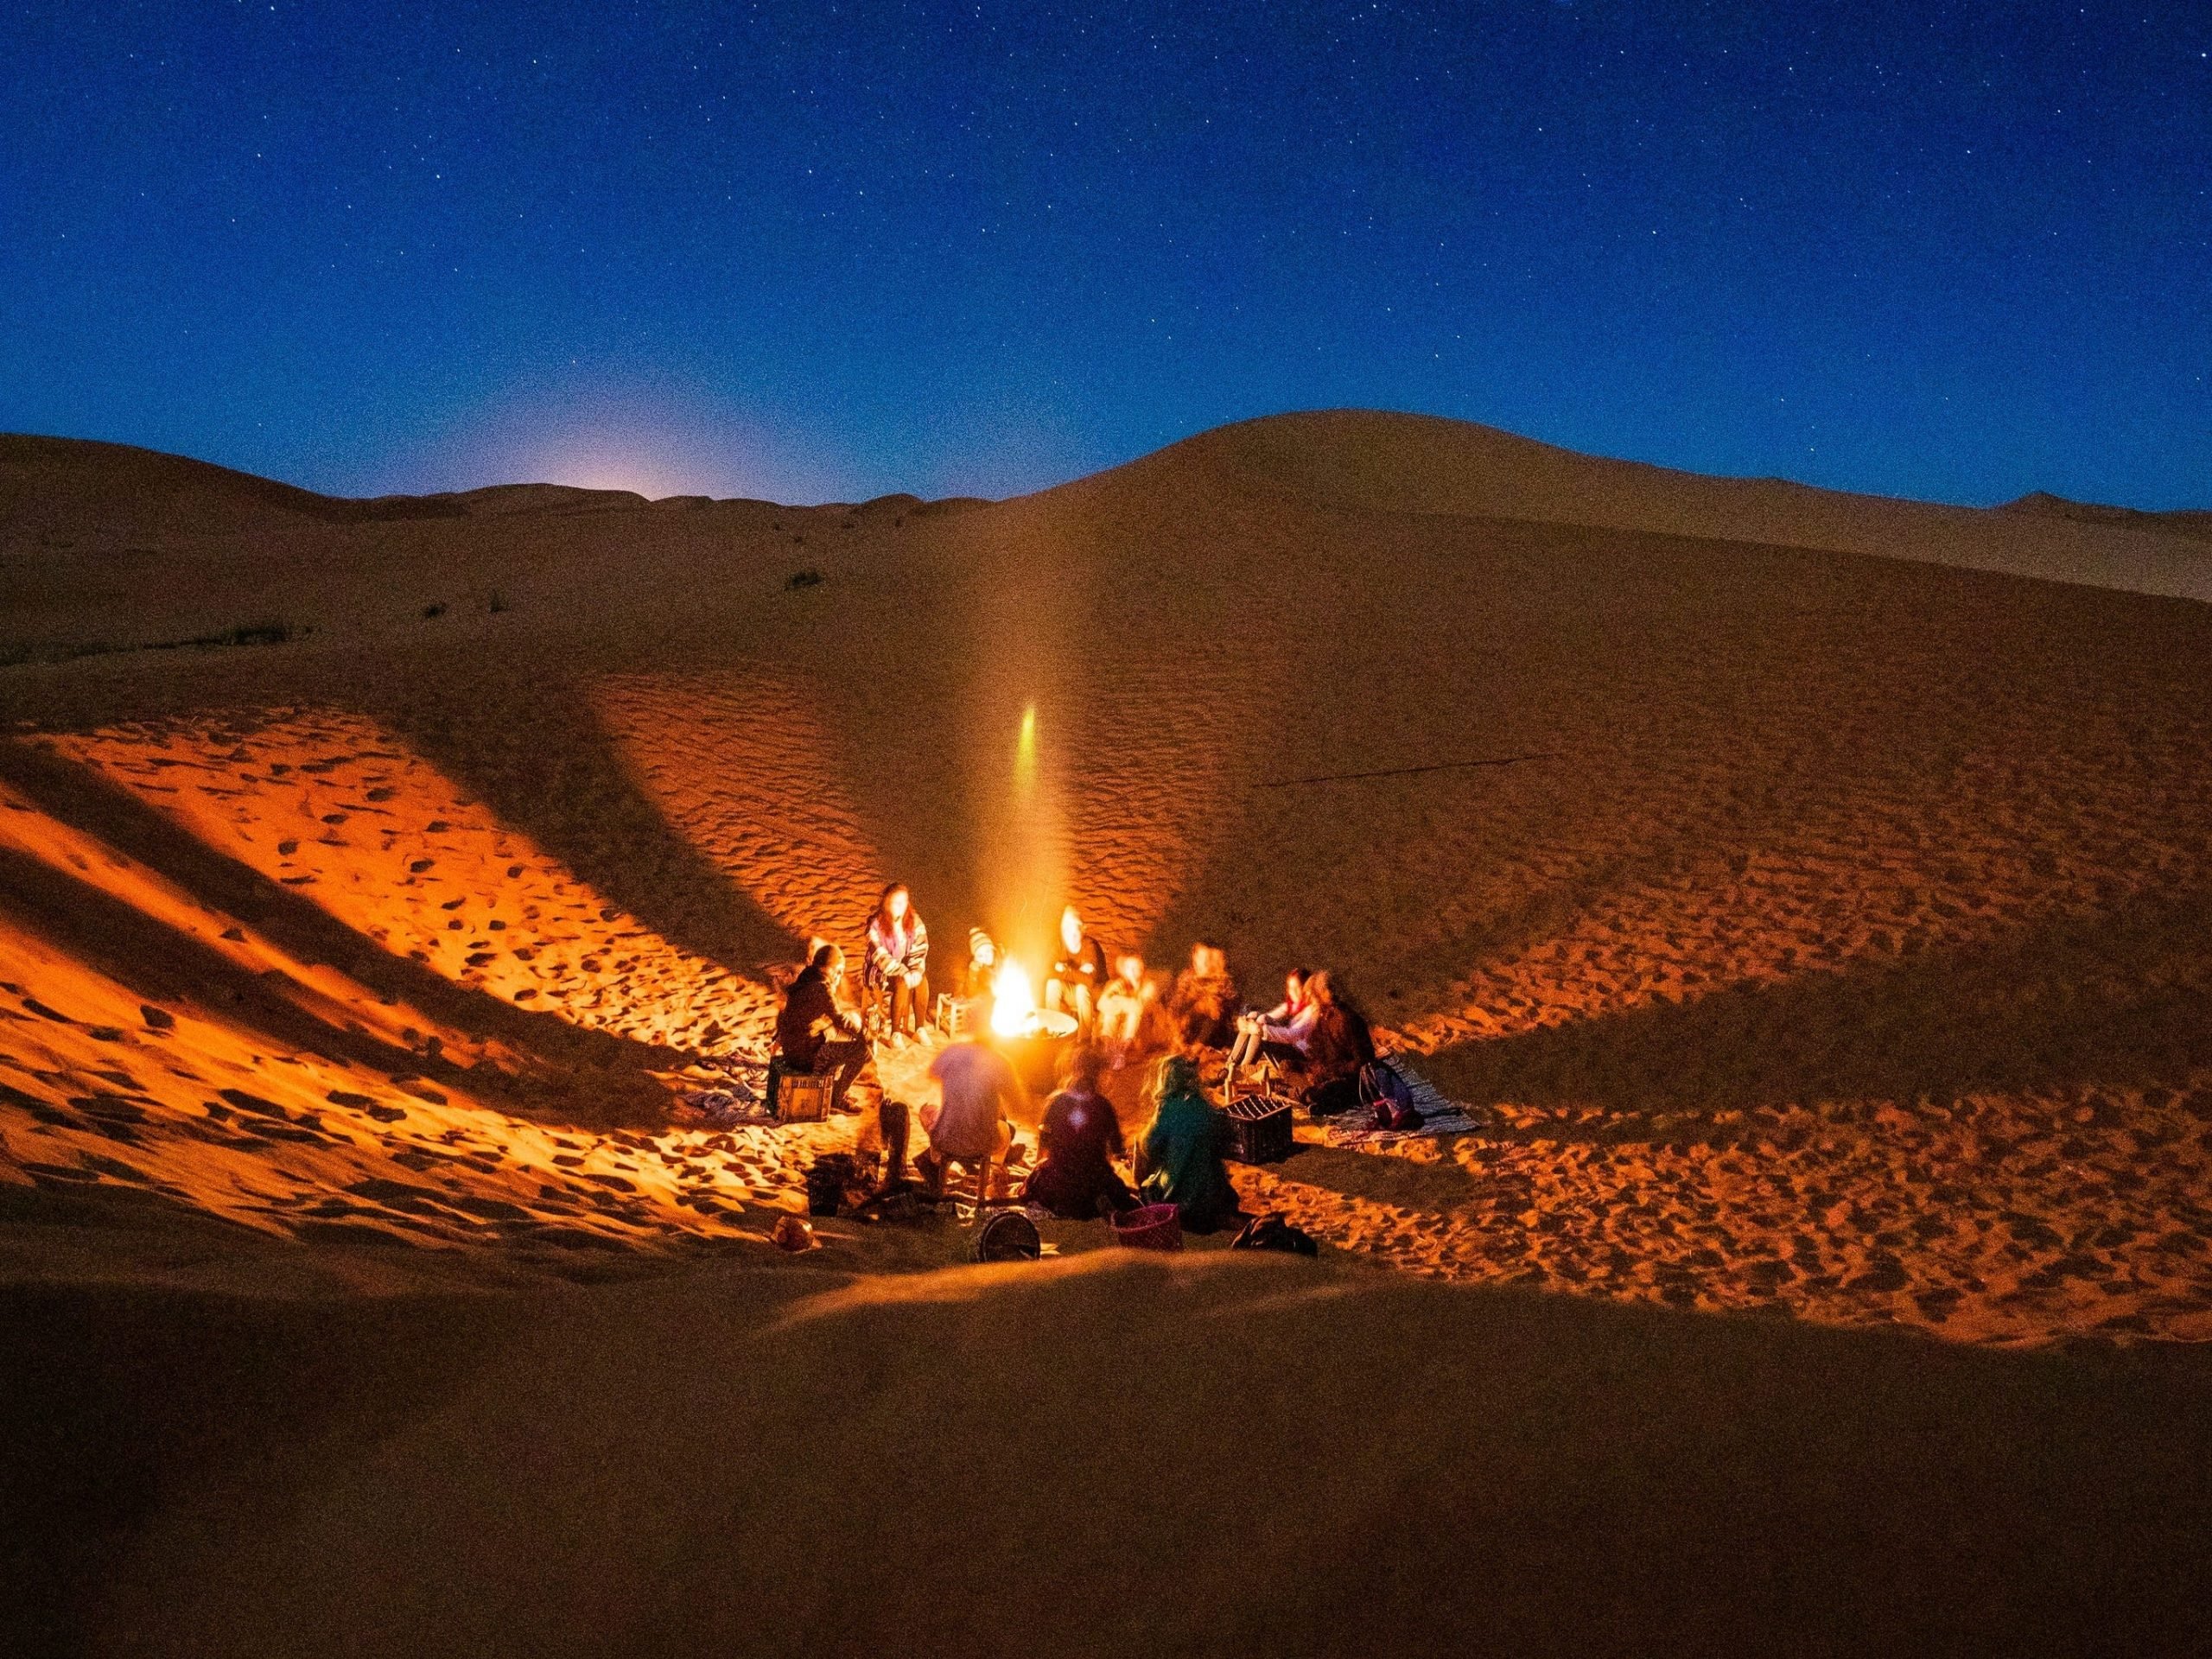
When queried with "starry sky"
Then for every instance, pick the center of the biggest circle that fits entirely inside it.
(814, 251)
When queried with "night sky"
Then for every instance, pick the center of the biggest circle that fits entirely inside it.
(816, 251)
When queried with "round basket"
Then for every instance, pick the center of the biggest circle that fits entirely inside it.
(1151, 1227)
(1006, 1236)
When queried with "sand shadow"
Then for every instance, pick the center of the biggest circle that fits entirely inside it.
(540, 757)
(160, 963)
(2124, 999)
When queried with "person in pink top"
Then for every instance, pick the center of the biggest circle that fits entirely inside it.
(980, 1097)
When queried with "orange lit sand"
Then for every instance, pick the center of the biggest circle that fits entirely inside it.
(1837, 950)
(1832, 944)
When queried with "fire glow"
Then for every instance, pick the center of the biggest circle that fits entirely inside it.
(1014, 1002)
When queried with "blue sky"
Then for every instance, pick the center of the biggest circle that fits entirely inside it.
(822, 251)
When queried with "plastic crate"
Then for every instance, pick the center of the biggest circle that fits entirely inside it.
(1259, 1128)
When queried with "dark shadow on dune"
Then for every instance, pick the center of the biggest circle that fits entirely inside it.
(1522, 1474)
(164, 964)
(538, 755)
(90, 1446)
(2124, 999)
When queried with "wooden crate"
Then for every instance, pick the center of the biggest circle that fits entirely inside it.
(801, 1099)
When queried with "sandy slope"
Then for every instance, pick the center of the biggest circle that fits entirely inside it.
(1823, 935)
(1230, 1457)
(1410, 463)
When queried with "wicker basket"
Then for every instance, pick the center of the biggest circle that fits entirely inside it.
(1259, 1128)
(1151, 1227)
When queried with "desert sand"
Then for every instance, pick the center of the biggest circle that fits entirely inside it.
(1807, 894)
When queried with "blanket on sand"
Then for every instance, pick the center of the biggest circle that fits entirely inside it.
(1438, 1115)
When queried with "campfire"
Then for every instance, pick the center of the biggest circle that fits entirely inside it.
(1015, 1012)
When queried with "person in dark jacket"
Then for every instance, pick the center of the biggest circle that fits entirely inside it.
(1081, 1138)
(1179, 1159)
(1337, 1047)
(816, 1036)
(1204, 1000)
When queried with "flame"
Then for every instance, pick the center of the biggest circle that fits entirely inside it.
(1014, 1004)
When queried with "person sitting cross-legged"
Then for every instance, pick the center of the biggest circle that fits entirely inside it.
(1179, 1159)
(1080, 1139)
(816, 1035)
(974, 1125)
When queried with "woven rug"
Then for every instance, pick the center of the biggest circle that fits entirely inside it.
(1437, 1115)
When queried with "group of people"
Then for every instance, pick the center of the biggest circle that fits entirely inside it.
(1314, 1040)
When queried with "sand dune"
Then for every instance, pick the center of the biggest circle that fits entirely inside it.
(1812, 910)
(1407, 463)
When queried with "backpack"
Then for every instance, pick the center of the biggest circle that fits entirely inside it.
(1380, 1084)
(1274, 1233)
(1384, 1090)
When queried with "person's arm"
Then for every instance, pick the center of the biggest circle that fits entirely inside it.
(881, 964)
(918, 952)
(1295, 1031)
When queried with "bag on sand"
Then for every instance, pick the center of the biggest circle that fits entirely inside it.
(1274, 1233)
(1384, 1090)
(1380, 1084)
(1338, 1095)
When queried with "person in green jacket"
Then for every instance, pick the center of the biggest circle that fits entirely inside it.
(1179, 1159)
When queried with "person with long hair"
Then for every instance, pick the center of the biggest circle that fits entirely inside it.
(895, 979)
(1283, 1033)
(1339, 1048)
(1080, 1139)
(1179, 1158)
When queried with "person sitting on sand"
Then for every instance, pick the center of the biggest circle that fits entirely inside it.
(1336, 1050)
(1130, 1016)
(1080, 1139)
(815, 1035)
(1281, 1033)
(1179, 1158)
(895, 980)
(981, 1096)
(1078, 973)
(1204, 999)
